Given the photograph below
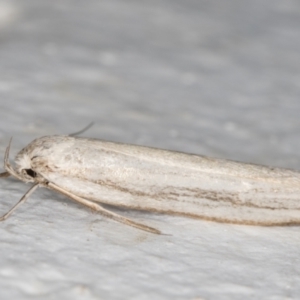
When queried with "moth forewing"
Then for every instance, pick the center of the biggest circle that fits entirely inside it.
(162, 181)
(170, 182)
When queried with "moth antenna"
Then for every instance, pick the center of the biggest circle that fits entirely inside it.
(82, 130)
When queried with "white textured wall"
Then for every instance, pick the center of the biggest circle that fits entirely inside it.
(219, 78)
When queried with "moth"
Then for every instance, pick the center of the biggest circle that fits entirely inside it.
(95, 172)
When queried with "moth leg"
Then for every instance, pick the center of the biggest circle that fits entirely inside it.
(21, 201)
(4, 174)
(102, 210)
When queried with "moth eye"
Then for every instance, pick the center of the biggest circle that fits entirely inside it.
(30, 172)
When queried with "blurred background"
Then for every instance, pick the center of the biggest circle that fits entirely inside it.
(219, 78)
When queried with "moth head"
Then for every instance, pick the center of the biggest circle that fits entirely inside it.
(38, 158)
(25, 168)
